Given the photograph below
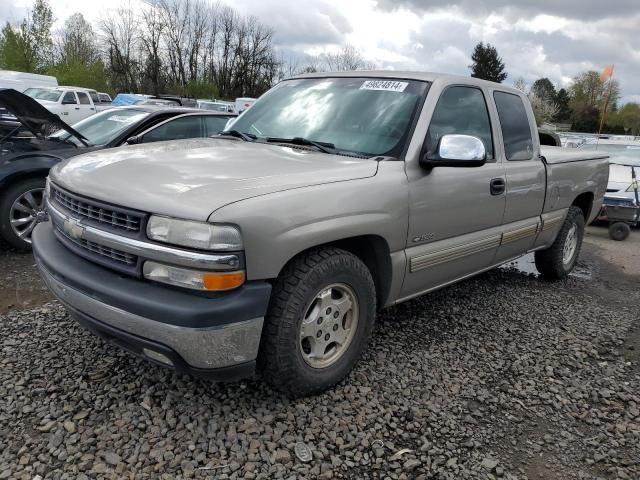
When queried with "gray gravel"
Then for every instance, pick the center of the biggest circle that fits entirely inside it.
(502, 376)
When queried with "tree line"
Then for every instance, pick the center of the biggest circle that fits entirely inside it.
(187, 47)
(581, 104)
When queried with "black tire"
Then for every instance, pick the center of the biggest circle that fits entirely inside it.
(619, 231)
(6, 201)
(549, 262)
(281, 359)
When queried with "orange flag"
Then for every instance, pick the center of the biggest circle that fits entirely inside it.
(607, 73)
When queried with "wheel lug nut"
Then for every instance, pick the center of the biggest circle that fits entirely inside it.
(336, 314)
(335, 327)
(328, 310)
(319, 320)
(327, 336)
(319, 334)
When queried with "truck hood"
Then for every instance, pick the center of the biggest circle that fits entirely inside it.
(192, 178)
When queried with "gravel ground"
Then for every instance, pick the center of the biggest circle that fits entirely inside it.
(504, 375)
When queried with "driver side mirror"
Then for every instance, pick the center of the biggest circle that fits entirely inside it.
(456, 151)
(133, 140)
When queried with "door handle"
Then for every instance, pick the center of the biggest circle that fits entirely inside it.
(77, 108)
(497, 186)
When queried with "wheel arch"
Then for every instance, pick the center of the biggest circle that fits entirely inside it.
(584, 202)
(373, 251)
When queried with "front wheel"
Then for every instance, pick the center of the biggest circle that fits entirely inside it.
(319, 321)
(557, 261)
(21, 208)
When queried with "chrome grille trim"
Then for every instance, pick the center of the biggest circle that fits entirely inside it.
(108, 252)
(146, 250)
(86, 208)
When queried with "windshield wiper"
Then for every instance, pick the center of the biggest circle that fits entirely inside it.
(325, 147)
(247, 137)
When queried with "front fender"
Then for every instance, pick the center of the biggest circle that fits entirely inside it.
(278, 226)
(26, 166)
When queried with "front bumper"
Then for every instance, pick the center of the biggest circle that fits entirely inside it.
(217, 336)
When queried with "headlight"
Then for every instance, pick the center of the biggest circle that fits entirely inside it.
(201, 235)
(194, 279)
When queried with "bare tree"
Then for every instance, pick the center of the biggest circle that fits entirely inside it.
(120, 36)
(349, 58)
(151, 36)
(76, 41)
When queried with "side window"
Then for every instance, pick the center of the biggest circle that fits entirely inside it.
(84, 99)
(516, 131)
(215, 124)
(461, 110)
(94, 97)
(180, 128)
(69, 97)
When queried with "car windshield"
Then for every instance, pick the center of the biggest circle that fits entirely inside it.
(627, 154)
(216, 107)
(43, 94)
(102, 127)
(359, 115)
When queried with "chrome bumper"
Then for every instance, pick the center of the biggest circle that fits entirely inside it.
(201, 348)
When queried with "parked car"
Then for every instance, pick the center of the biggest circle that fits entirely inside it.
(623, 153)
(273, 245)
(216, 106)
(243, 103)
(70, 103)
(25, 159)
(21, 81)
(105, 98)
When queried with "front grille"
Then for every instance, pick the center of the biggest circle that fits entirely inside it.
(106, 252)
(100, 213)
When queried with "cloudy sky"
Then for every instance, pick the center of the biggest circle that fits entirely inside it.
(552, 38)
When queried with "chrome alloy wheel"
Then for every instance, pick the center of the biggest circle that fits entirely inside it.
(570, 245)
(26, 212)
(329, 325)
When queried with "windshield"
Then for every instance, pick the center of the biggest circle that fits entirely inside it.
(103, 127)
(628, 154)
(364, 116)
(43, 94)
(216, 107)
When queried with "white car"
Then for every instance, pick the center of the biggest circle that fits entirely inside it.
(244, 103)
(72, 104)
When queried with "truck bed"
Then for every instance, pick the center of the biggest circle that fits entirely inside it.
(553, 155)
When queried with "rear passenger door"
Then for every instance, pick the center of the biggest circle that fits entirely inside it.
(71, 110)
(525, 175)
(86, 108)
(455, 216)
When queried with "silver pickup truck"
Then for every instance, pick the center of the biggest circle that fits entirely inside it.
(270, 247)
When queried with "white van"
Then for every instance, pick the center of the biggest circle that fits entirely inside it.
(20, 81)
(243, 103)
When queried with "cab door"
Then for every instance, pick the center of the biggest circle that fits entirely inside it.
(70, 108)
(525, 176)
(86, 108)
(455, 213)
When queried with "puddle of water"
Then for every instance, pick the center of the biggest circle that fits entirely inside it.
(527, 265)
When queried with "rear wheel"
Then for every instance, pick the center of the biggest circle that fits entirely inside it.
(619, 231)
(557, 261)
(21, 208)
(319, 321)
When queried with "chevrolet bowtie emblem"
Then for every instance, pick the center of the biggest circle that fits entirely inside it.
(73, 228)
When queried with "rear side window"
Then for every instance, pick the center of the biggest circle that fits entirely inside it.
(516, 131)
(94, 97)
(463, 111)
(84, 99)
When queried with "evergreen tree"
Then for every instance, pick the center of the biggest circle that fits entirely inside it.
(487, 64)
(544, 89)
(564, 109)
